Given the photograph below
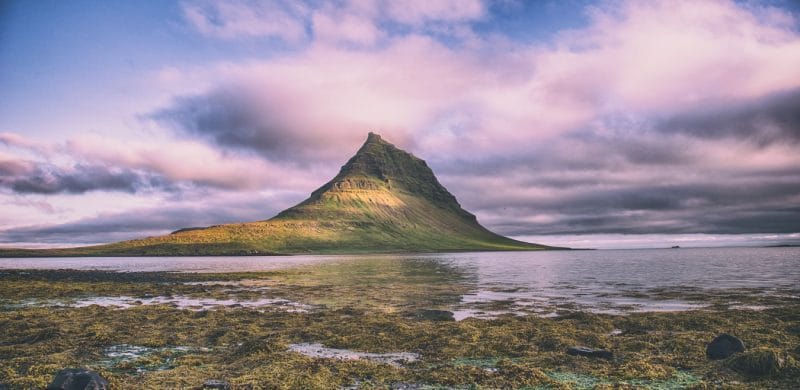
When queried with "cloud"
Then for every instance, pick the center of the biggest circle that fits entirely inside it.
(322, 103)
(774, 118)
(337, 26)
(185, 162)
(242, 18)
(139, 222)
(491, 94)
(600, 130)
(359, 22)
(629, 198)
(654, 117)
(726, 51)
(113, 227)
(89, 162)
(417, 12)
(19, 141)
(10, 167)
(29, 178)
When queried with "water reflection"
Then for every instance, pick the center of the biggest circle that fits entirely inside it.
(388, 282)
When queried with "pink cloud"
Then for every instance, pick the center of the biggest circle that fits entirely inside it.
(345, 28)
(18, 141)
(655, 55)
(177, 160)
(639, 58)
(417, 12)
(351, 21)
(241, 18)
(188, 161)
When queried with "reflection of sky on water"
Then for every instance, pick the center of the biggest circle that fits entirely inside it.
(633, 269)
(496, 282)
(621, 280)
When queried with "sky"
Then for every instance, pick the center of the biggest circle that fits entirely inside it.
(602, 124)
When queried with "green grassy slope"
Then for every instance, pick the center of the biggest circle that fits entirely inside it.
(383, 200)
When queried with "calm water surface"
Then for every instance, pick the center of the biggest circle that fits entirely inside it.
(602, 280)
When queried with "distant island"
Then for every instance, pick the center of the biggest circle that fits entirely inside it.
(383, 200)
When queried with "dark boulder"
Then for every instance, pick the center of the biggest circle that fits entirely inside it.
(759, 362)
(216, 384)
(78, 379)
(589, 352)
(724, 346)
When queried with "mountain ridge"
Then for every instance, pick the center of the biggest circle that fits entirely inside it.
(383, 199)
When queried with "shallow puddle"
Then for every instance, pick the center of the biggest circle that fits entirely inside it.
(143, 359)
(317, 350)
(180, 302)
(189, 303)
(492, 304)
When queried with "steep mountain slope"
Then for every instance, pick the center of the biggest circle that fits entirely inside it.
(383, 200)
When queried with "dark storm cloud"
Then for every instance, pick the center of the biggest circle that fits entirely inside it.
(226, 117)
(232, 118)
(25, 177)
(775, 118)
(573, 154)
(629, 183)
(729, 206)
(740, 220)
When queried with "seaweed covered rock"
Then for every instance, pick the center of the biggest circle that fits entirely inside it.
(589, 352)
(78, 379)
(759, 362)
(216, 384)
(434, 315)
(724, 346)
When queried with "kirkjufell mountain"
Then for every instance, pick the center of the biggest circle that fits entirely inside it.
(384, 199)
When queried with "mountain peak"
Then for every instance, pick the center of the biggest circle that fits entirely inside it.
(379, 165)
(384, 199)
(374, 138)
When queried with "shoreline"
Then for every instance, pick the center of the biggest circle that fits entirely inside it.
(362, 333)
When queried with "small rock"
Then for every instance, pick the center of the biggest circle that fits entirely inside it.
(216, 384)
(759, 362)
(589, 352)
(78, 379)
(434, 315)
(723, 346)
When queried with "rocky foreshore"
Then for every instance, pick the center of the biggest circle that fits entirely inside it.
(351, 335)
